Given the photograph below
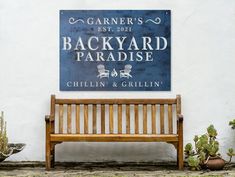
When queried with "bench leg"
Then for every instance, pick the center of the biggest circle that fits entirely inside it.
(177, 153)
(48, 146)
(53, 156)
(48, 155)
(180, 160)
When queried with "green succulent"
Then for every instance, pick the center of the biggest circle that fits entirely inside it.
(212, 132)
(202, 157)
(194, 163)
(230, 152)
(212, 149)
(195, 138)
(232, 124)
(188, 149)
(201, 143)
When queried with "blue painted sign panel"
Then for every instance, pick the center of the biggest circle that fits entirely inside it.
(115, 50)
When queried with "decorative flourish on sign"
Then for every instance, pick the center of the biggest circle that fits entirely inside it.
(102, 72)
(114, 73)
(155, 21)
(73, 20)
(126, 72)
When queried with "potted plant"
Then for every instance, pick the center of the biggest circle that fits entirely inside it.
(7, 149)
(205, 153)
(231, 152)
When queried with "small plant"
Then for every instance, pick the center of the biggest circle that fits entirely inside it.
(205, 146)
(231, 152)
(3, 135)
(232, 124)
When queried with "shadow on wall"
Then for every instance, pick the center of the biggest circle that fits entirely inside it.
(121, 152)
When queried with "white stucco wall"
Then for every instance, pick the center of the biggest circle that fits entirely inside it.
(203, 61)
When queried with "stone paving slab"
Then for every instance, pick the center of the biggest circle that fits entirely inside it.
(103, 169)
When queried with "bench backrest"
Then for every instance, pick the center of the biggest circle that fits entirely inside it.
(108, 116)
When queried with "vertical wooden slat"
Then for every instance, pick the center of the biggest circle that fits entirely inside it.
(120, 119)
(102, 119)
(77, 119)
(61, 113)
(170, 126)
(128, 121)
(153, 111)
(94, 113)
(136, 119)
(178, 104)
(85, 119)
(111, 119)
(162, 118)
(145, 119)
(52, 128)
(52, 104)
(69, 118)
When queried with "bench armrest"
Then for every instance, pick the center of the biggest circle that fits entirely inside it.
(48, 118)
(180, 118)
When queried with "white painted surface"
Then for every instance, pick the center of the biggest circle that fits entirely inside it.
(203, 60)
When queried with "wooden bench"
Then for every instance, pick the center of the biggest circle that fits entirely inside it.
(166, 122)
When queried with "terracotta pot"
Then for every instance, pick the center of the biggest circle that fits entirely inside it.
(215, 163)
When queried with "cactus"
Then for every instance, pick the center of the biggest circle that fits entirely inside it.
(205, 146)
(3, 135)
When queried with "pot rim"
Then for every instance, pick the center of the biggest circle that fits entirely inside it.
(8, 154)
(215, 157)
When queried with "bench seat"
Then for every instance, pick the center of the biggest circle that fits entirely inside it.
(113, 138)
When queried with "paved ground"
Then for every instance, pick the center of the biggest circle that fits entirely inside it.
(107, 169)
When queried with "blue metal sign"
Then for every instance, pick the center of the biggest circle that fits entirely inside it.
(115, 50)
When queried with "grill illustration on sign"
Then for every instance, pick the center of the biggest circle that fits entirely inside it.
(114, 73)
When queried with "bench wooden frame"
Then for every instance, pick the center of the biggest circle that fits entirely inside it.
(53, 138)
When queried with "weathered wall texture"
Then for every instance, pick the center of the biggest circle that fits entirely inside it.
(203, 60)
